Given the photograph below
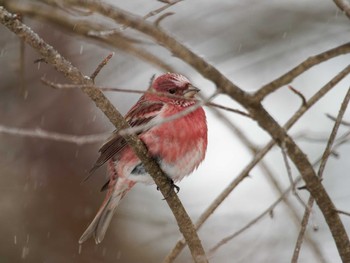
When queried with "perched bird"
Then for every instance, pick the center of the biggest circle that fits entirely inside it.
(178, 146)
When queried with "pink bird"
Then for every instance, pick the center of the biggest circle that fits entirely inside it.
(179, 146)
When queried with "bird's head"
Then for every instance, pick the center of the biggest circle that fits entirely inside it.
(174, 84)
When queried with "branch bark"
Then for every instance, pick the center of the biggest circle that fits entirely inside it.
(343, 5)
(301, 68)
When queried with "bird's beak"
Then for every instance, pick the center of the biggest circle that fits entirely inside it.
(191, 91)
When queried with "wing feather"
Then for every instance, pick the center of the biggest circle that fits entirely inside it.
(141, 113)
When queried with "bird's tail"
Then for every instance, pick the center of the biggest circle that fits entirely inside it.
(99, 225)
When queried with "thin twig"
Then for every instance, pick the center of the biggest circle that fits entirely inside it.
(100, 66)
(161, 9)
(151, 124)
(299, 94)
(212, 104)
(334, 132)
(290, 176)
(302, 231)
(345, 123)
(38, 133)
(343, 212)
(81, 86)
(148, 15)
(162, 17)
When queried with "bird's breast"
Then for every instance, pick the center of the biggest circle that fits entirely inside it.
(180, 144)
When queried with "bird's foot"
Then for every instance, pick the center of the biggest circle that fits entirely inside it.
(174, 186)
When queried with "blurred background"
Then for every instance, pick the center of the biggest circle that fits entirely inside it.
(44, 207)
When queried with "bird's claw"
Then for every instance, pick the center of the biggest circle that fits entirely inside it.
(174, 186)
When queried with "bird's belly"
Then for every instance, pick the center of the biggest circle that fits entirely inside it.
(184, 165)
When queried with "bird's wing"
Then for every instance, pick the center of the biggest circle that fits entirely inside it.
(141, 113)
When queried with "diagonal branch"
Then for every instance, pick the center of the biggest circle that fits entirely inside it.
(343, 5)
(52, 57)
(334, 132)
(301, 68)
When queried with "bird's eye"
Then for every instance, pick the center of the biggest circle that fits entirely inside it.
(172, 91)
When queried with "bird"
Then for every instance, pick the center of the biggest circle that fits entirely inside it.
(178, 146)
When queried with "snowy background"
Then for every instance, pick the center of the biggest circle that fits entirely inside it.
(44, 208)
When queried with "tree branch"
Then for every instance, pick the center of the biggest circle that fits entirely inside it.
(301, 68)
(344, 6)
(60, 137)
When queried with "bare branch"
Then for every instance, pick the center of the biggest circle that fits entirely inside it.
(290, 176)
(77, 86)
(301, 68)
(149, 125)
(60, 137)
(346, 123)
(337, 123)
(343, 212)
(82, 86)
(212, 104)
(302, 231)
(100, 66)
(299, 94)
(161, 9)
(343, 5)
(162, 17)
(148, 15)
